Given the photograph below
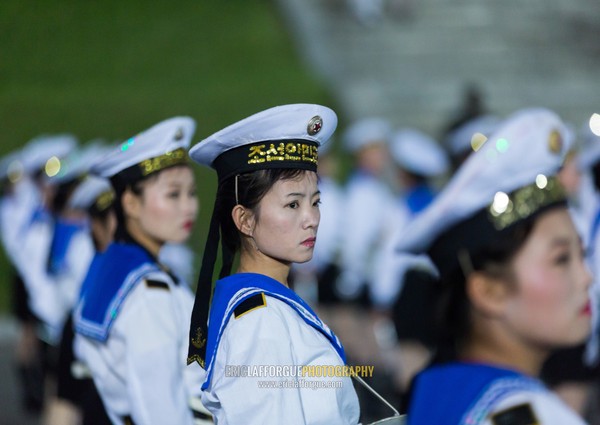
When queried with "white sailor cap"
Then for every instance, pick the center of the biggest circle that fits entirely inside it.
(46, 151)
(418, 153)
(95, 192)
(472, 134)
(79, 162)
(590, 148)
(510, 178)
(162, 145)
(367, 131)
(286, 136)
(11, 167)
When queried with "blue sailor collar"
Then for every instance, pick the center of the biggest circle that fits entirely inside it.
(233, 290)
(481, 387)
(111, 277)
(64, 231)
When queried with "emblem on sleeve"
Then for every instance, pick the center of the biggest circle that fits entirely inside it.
(517, 415)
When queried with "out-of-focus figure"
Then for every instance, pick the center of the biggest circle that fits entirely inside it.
(367, 198)
(26, 228)
(77, 400)
(400, 280)
(131, 319)
(574, 373)
(469, 137)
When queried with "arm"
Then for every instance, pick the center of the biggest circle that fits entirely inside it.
(543, 408)
(273, 336)
(258, 338)
(154, 372)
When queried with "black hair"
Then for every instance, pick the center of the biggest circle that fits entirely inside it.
(251, 189)
(596, 175)
(62, 195)
(451, 303)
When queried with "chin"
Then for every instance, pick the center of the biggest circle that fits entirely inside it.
(303, 259)
(178, 238)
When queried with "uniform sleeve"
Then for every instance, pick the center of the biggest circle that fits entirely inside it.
(30, 261)
(79, 257)
(525, 407)
(154, 371)
(258, 338)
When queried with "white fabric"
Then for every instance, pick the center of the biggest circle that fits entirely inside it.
(592, 353)
(88, 191)
(459, 140)
(79, 162)
(141, 369)
(161, 138)
(11, 165)
(418, 153)
(51, 297)
(16, 210)
(512, 158)
(179, 258)
(276, 335)
(366, 131)
(39, 150)
(367, 200)
(390, 266)
(286, 122)
(546, 406)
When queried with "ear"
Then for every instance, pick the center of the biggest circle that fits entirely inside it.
(132, 204)
(243, 219)
(487, 294)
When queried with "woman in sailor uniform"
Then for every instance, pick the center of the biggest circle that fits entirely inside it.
(26, 224)
(132, 316)
(262, 338)
(77, 400)
(513, 283)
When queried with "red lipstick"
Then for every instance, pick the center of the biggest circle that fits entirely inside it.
(587, 309)
(310, 242)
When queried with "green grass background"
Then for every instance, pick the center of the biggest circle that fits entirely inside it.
(112, 68)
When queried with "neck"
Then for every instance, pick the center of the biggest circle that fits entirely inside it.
(493, 345)
(152, 245)
(256, 262)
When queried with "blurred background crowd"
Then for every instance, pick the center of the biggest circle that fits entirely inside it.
(417, 86)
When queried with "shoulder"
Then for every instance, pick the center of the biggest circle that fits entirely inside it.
(261, 318)
(157, 280)
(250, 304)
(532, 407)
(261, 308)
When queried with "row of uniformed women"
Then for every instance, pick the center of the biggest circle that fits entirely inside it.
(500, 236)
(45, 232)
(51, 249)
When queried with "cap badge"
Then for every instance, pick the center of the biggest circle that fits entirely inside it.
(555, 142)
(179, 134)
(314, 125)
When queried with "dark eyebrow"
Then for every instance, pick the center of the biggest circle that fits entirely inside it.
(563, 240)
(318, 192)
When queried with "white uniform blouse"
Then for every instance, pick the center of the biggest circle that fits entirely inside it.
(140, 371)
(276, 335)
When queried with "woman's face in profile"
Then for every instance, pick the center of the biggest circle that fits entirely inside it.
(550, 307)
(288, 218)
(169, 205)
